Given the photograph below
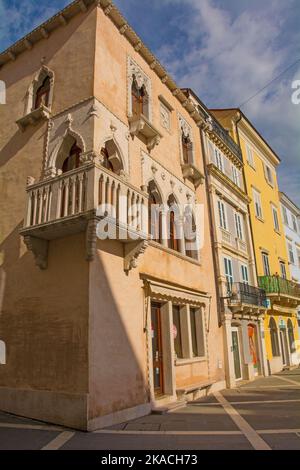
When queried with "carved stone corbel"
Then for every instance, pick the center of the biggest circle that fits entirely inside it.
(39, 248)
(132, 251)
(91, 239)
(153, 142)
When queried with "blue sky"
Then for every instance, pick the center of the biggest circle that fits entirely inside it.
(226, 50)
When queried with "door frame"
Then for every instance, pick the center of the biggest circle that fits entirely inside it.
(158, 392)
(235, 329)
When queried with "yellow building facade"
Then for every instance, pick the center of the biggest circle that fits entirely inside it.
(271, 257)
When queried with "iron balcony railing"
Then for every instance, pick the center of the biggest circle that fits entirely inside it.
(223, 134)
(278, 285)
(240, 292)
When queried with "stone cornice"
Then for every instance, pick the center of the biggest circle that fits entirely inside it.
(80, 6)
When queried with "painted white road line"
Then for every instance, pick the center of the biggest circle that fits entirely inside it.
(30, 426)
(271, 386)
(278, 431)
(252, 402)
(59, 441)
(287, 380)
(168, 433)
(255, 440)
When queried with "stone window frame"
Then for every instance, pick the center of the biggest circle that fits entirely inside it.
(35, 84)
(142, 80)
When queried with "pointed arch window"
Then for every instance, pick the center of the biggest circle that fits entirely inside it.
(154, 213)
(186, 148)
(42, 96)
(139, 99)
(105, 159)
(173, 235)
(73, 159)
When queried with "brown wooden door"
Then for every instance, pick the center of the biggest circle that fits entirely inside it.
(157, 352)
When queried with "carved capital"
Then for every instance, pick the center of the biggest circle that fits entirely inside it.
(88, 157)
(39, 248)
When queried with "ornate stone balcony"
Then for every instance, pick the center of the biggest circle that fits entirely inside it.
(34, 117)
(90, 199)
(141, 125)
(192, 173)
(281, 291)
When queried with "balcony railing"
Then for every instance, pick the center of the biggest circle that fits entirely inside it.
(242, 293)
(76, 193)
(233, 242)
(278, 285)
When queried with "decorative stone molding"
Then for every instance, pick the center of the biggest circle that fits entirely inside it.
(39, 248)
(36, 82)
(88, 157)
(94, 111)
(132, 251)
(31, 119)
(91, 239)
(165, 117)
(142, 80)
(185, 128)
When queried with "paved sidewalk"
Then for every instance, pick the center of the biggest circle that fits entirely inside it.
(264, 414)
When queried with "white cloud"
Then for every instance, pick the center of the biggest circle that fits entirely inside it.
(228, 57)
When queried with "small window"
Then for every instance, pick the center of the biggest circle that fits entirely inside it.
(235, 176)
(282, 269)
(177, 332)
(245, 275)
(238, 226)
(298, 256)
(285, 215)
(228, 273)
(269, 175)
(219, 159)
(257, 204)
(154, 215)
(275, 218)
(186, 149)
(294, 223)
(266, 264)
(291, 253)
(197, 333)
(222, 215)
(250, 157)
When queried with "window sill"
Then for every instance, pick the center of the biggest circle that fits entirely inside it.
(189, 360)
(277, 231)
(34, 117)
(260, 219)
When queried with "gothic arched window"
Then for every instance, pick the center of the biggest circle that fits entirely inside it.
(42, 94)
